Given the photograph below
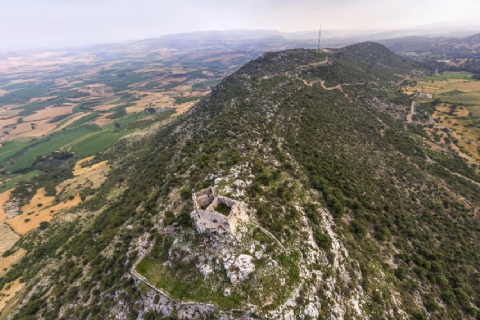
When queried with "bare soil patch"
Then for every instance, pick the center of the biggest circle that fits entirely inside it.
(9, 292)
(4, 197)
(7, 238)
(92, 177)
(7, 262)
(38, 210)
(184, 107)
(78, 169)
(33, 213)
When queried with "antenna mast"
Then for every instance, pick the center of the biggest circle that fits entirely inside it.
(319, 36)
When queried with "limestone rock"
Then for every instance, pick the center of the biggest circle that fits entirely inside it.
(240, 270)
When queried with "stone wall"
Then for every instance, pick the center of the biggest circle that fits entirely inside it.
(203, 198)
(208, 220)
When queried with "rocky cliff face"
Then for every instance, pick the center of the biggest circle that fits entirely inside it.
(347, 217)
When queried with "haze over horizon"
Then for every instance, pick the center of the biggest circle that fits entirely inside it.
(56, 23)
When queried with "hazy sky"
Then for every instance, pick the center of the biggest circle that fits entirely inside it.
(27, 23)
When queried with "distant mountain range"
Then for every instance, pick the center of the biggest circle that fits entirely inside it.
(304, 39)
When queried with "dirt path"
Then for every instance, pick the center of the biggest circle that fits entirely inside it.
(303, 66)
(337, 87)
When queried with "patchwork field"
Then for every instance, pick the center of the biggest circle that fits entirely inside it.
(455, 108)
(42, 208)
(449, 89)
(84, 102)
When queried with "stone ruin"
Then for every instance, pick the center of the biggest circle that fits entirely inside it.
(209, 220)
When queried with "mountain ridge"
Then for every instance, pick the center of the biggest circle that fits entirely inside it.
(316, 146)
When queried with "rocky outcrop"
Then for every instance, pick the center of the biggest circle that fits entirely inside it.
(239, 270)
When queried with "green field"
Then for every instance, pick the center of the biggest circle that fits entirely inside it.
(24, 177)
(9, 148)
(474, 110)
(81, 138)
(460, 98)
(451, 75)
(95, 143)
(192, 287)
(47, 145)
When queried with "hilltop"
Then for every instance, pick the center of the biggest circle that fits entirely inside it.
(342, 209)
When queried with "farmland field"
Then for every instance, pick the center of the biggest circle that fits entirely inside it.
(83, 102)
(455, 110)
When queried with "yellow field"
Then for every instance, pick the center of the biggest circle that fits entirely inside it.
(182, 108)
(103, 120)
(38, 202)
(24, 130)
(9, 291)
(33, 214)
(183, 88)
(40, 119)
(92, 177)
(105, 107)
(78, 168)
(8, 122)
(49, 113)
(152, 99)
(172, 80)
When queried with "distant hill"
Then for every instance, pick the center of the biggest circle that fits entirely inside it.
(442, 47)
(441, 53)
